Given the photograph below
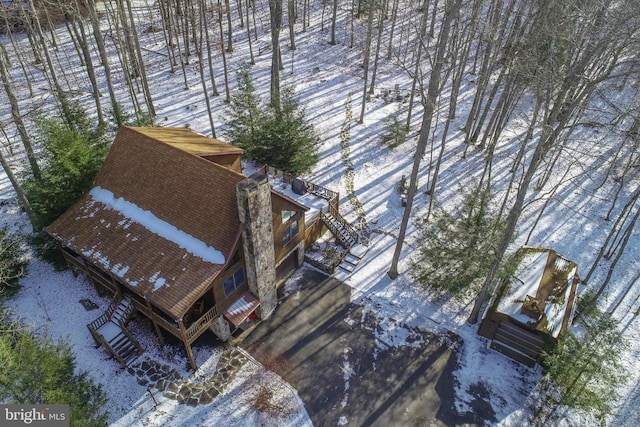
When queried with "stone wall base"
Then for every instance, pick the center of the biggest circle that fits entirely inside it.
(221, 328)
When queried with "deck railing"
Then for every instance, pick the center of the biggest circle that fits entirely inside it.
(345, 225)
(167, 325)
(194, 331)
(202, 323)
(331, 196)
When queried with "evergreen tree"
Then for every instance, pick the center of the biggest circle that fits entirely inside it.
(290, 139)
(457, 249)
(246, 116)
(12, 261)
(279, 137)
(72, 157)
(39, 371)
(585, 371)
(395, 130)
(73, 154)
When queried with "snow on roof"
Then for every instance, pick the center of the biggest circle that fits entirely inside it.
(310, 200)
(555, 312)
(540, 290)
(158, 226)
(241, 309)
(526, 280)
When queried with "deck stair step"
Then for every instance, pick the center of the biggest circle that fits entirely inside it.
(344, 233)
(518, 343)
(352, 258)
(513, 353)
(109, 330)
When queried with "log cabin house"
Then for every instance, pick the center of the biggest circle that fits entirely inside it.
(173, 230)
(532, 310)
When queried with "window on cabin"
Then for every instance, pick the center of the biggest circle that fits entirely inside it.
(233, 282)
(290, 232)
(287, 215)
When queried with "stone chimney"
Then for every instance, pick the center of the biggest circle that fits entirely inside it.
(254, 209)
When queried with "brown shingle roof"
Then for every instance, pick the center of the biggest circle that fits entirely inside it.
(194, 195)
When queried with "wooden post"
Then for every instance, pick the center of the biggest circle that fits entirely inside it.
(187, 345)
(152, 316)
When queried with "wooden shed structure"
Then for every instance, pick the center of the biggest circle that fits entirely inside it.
(173, 230)
(532, 310)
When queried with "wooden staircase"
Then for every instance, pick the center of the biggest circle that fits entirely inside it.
(339, 227)
(109, 331)
(518, 343)
(352, 258)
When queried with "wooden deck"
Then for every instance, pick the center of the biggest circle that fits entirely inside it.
(518, 343)
(106, 284)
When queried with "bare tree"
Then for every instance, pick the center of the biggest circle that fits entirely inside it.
(227, 7)
(367, 55)
(334, 17)
(378, 44)
(17, 117)
(275, 10)
(224, 56)
(588, 65)
(22, 198)
(452, 9)
(104, 59)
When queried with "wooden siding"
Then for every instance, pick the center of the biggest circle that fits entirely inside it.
(313, 231)
(281, 249)
(223, 301)
(229, 161)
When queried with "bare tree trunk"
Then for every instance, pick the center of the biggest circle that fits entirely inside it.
(452, 9)
(253, 61)
(377, 55)
(367, 55)
(239, 6)
(203, 18)
(137, 52)
(631, 161)
(113, 18)
(202, 27)
(60, 95)
(175, 15)
(224, 55)
(30, 31)
(353, 6)
(627, 234)
(229, 26)
(625, 293)
(17, 119)
(95, 23)
(334, 17)
(19, 56)
(275, 10)
(416, 71)
(22, 198)
(78, 28)
(621, 218)
(394, 15)
(167, 33)
(291, 18)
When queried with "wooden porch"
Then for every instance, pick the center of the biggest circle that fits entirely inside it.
(188, 329)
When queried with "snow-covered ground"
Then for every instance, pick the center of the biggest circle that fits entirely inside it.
(329, 84)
